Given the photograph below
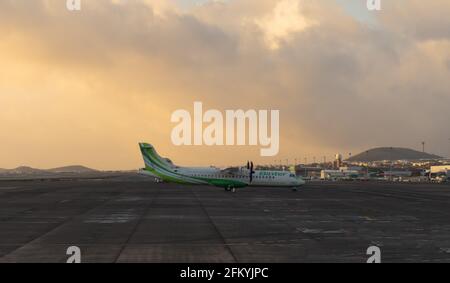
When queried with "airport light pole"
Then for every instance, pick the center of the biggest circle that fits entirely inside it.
(367, 164)
(449, 147)
(390, 169)
(306, 162)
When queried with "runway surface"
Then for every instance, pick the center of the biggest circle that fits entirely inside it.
(132, 219)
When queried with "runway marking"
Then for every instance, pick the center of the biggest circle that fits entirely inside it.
(321, 231)
(368, 218)
(445, 250)
(58, 225)
(9, 188)
(215, 227)
(133, 231)
(112, 219)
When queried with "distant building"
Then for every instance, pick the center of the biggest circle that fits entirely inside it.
(338, 161)
(440, 169)
(351, 168)
(395, 174)
(440, 173)
(308, 172)
(331, 174)
(339, 174)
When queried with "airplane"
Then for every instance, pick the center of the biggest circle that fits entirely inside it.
(230, 179)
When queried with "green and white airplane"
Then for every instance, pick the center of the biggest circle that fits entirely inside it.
(230, 179)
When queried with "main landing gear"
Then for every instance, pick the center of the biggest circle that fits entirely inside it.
(230, 189)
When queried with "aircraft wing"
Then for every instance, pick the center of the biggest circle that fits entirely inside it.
(230, 170)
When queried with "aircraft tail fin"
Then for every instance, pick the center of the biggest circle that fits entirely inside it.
(152, 159)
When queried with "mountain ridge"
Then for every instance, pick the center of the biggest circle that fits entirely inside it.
(71, 168)
(27, 170)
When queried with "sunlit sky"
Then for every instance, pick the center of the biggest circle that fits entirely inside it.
(355, 8)
(85, 87)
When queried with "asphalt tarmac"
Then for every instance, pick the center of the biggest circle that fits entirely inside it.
(132, 219)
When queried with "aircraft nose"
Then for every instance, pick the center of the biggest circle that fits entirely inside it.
(300, 181)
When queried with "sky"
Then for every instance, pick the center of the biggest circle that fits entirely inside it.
(85, 87)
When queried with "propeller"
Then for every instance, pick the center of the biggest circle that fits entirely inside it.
(250, 167)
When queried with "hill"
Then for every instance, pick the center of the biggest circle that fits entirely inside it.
(391, 153)
(29, 171)
(72, 169)
(23, 170)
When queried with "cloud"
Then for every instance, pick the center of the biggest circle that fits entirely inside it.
(285, 19)
(85, 87)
